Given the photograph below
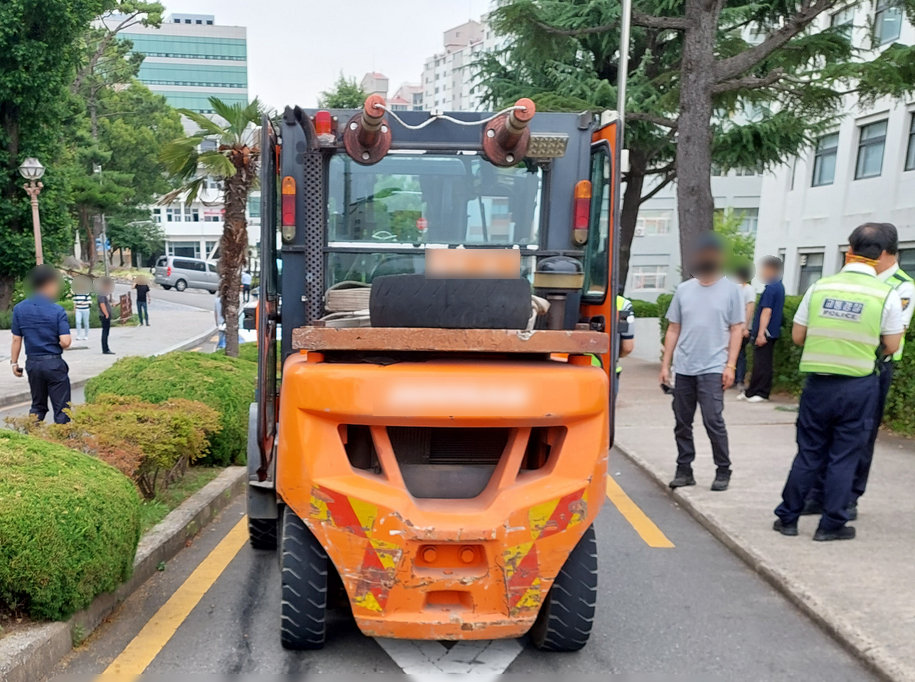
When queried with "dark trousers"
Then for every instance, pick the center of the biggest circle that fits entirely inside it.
(863, 470)
(706, 391)
(143, 312)
(49, 378)
(761, 377)
(106, 328)
(741, 372)
(833, 425)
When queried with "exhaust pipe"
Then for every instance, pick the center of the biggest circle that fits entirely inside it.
(506, 137)
(367, 136)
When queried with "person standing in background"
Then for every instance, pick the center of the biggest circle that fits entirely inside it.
(42, 324)
(141, 286)
(82, 306)
(767, 326)
(104, 312)
(742, 276)
(706, 321)
(246, 280)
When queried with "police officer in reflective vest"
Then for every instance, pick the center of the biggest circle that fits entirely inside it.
(888, 271)
(846, 324)
(625, 329)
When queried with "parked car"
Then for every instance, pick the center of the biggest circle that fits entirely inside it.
(184, 273)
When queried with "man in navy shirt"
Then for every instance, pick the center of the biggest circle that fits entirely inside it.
(43, 325)
(767, 325)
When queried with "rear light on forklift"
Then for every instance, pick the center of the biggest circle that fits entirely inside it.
(288, 208)
(582, 212)
(324, 127)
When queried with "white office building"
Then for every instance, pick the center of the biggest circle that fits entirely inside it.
(189, 59)
(863, 170)
(654, 262)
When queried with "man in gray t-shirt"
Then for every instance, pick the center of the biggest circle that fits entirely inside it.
(706, 320)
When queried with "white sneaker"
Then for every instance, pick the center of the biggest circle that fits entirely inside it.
(742, 395)
(755, 399)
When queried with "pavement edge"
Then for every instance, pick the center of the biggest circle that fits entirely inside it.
(26, 396)
(835, 625)
(33, 653)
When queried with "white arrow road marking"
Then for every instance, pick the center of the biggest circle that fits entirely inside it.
(471, 657)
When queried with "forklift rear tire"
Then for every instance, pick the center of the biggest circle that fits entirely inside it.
(262, 533)
(567, 614)
(303, 566)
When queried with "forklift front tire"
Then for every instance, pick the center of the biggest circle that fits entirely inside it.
(567, 614)
(303, 566)
(262, 533)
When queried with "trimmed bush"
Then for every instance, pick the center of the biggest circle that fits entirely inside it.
(151, 444)
(69, 527)
(225, 384)
(644, 308)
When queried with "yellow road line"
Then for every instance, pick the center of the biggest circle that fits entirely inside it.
(644, 526)
(159, 629)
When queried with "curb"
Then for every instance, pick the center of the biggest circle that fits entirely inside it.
(834, 624)
(32, 654)
(26, 396)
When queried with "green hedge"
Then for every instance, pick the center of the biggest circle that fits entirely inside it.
(787, 377)
(644, 308)
(69, 527)
(225, 384)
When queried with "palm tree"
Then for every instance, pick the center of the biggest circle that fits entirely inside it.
(234, 163)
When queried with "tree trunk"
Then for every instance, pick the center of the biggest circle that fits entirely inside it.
(233, 248)
(629, 213)
(7, 283)
(695, 205)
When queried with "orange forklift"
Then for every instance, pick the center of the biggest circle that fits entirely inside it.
(433, 453)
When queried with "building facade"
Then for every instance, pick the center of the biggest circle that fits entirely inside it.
(654, 262)
(448, 77)
(189, 59)
(863, 170)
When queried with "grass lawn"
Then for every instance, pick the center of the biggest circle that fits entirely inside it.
(153, 511)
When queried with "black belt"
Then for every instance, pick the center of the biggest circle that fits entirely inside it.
(42, 356)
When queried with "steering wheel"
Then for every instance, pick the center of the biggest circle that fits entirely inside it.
(384, 236)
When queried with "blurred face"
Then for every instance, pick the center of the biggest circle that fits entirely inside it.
(706, 262)
(51, 290)
(769, 273)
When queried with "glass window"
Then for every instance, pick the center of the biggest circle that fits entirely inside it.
(184, 249)
(433, 199)
(211, 248)
(871, 141)
(199, 103)
(907, 259)
(887, 21)
(844, 21)
(824, 160)
(749, 219)
(157, 215)
(811, 270)
(648, 277)
(653, 222)
(254, 206)
(910, 149)
(597, 250)
(188, 47)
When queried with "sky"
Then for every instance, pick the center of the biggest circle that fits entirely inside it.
(297, 48)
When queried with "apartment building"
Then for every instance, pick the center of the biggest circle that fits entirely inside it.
(863, 170)
(448, 77)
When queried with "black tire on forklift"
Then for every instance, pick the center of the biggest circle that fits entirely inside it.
(567, 614)
(262, 533)
(303, 566)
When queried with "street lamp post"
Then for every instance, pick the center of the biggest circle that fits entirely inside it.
(32, 170)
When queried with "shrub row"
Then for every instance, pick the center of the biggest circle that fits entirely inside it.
(787, 376)
(151, 444)
(224, 384)
(644, 308)
(69, 527)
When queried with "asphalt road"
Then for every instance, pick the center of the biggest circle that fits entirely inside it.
(692, 611)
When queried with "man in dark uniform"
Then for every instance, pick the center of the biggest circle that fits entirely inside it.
(43, 325)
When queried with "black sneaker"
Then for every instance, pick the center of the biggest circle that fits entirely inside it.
(785, 529)
(852, 511)
(812, 507)
(843, 533)
(722, 479)
(682, 479)
(108, 352)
